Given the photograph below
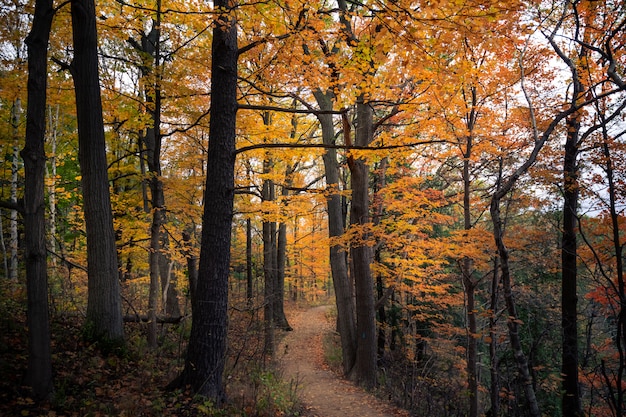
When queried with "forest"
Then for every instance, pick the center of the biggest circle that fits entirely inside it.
(178, 176)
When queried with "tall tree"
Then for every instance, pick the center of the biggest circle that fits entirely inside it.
(204, 362)
(269, 258)
(344, 293)
(577, 65)
(152, 70)
(617, 394)
(39, 374)
(364, 371)
(104, 311)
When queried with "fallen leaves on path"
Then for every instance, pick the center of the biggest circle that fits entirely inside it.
(324, 393)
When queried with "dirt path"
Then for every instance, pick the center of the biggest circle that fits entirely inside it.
(323, 393)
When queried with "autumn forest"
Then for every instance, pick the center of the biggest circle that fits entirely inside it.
(178, 176)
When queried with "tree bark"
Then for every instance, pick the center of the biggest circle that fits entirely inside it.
(192, 267)
(512, 321)
(280, 319)
(620, 340)
(469, 284)
(53, 125)
(249, 276)
(104, 312)
(569, 299)
(494, 388)
(380, 285)
(13, 230)
(151, 70)
(204, 362)
(364, 371)
(269, 266)
(3, 248)
(39, 373)
(344, 295)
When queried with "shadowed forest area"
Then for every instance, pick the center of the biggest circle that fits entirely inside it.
(177, 177)
(92, 380)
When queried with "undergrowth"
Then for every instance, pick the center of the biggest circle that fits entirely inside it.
(90, 381)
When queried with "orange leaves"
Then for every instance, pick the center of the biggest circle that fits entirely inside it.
(476, 244)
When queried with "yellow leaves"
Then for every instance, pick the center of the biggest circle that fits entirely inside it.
(476, 244)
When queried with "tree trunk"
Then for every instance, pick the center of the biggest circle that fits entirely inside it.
(280, 319)
(14, 236)
(513, 320)
(52, 177)
(104, 312)
(192, 267)
(469, 284)
(3, 248)
(364, 371)
(249, 276)
(39, 373)
(620, 340)
(472, 342)
(344, 295)
(156, 188)
(151, 69)
(269, 266)
(382, 315)
(569, 320)
(206, 354)
(380, 285)
(494, 389)
(279, 302)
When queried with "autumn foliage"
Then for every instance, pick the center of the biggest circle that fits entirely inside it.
(470, 106)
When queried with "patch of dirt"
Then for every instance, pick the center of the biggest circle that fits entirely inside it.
(323, 393)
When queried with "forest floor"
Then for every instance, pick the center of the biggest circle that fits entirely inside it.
(303, 354)
(89, 382)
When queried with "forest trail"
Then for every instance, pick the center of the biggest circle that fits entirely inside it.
(323, 393)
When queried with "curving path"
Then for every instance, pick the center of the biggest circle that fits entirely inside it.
(323, 393)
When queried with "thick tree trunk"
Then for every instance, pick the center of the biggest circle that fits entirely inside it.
(364, 371)
(269, 268)
(39, 373)
(156, 188)
(206, 354)
(344, 295)
(569, 299)
(269, 262)
(104, 312)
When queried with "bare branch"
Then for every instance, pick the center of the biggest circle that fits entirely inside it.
(12, 206)
(333, 146)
